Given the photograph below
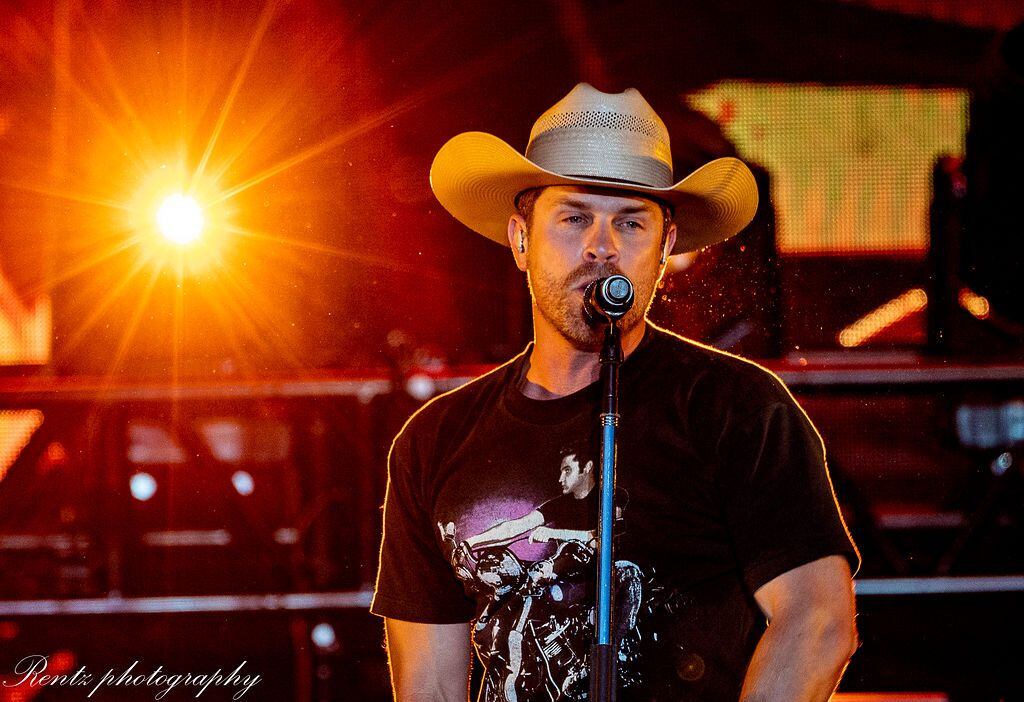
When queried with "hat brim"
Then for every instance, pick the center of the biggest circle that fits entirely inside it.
(476, 177)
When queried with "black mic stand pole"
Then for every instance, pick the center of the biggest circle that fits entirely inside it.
(604, 653)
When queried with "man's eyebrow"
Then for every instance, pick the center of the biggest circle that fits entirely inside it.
(636, 209)
(580, 205)
(566, 202)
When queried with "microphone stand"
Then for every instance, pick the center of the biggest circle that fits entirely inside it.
(604, 652)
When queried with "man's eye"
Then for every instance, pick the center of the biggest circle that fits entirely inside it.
(574, 219)
(633, 224)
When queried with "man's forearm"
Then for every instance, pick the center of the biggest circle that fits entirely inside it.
(497, 536)
(506, 532)
(799, 661)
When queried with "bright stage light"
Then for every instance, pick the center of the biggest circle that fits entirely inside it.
(142, 486)
(879, 319)
(180, 219)
(974, 303)
(325, 637)
(243, 482)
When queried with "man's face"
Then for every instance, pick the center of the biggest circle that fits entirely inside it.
(572, 477)
(580, 234)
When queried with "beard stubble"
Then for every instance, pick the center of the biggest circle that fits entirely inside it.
(555, 299)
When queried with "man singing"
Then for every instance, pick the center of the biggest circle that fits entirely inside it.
(733, 571)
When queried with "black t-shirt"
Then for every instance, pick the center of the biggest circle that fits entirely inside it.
(721, 487)
(570, 512)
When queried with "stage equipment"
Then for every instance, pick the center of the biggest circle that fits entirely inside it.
(191, 489)
(992, 252)
(825, 146)
(919, 445)
(960, 320)
(924, 495)
(609, 298)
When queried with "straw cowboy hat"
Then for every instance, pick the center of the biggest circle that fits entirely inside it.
(592, 138)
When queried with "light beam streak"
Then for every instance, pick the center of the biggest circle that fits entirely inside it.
(250, 53)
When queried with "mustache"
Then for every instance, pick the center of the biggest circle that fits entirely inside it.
(588, 272)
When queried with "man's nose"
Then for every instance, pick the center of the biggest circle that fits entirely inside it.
(601, 246)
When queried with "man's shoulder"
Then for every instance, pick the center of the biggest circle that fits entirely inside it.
(711, 371)
(461, 404)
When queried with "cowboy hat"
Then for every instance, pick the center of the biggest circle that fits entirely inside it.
(592, 138)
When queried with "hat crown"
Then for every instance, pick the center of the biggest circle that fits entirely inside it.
(592, 139)
(616, 137)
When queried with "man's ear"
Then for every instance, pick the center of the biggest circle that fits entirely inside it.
(589, 467)
(517, 240)
(669, 243)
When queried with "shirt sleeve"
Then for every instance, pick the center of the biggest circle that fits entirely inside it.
(779, 503)
(415, 582)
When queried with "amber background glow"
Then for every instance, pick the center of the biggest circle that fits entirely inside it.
(306, 129)
(260, 114)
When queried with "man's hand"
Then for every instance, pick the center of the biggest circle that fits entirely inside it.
(811, 634)
(429, 662)
(540, 535)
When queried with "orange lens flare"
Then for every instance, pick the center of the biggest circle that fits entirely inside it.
(180, 219)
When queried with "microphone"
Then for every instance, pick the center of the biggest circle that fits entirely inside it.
(607, 299)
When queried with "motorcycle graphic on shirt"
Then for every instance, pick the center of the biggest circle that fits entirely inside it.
(535, 633)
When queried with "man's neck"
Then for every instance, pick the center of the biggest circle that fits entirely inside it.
(557, 368)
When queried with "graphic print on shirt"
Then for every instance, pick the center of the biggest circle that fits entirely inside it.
(535, 565)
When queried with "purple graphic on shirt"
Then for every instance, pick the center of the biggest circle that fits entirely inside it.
(534, 564)
(489, 514)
